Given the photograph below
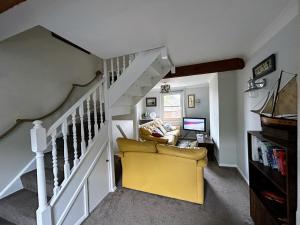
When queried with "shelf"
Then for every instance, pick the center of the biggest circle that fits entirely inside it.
(272, 175)
(275, 141)
(275, 210)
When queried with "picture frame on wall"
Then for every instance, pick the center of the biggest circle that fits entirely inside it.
(191, 101)
(151, 102)
(265, 67)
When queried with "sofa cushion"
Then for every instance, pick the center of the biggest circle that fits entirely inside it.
(174, 132)
(162, 129)
(169, 127)
(144, 131)
(189, 153)
(129, 145)
(157, 134)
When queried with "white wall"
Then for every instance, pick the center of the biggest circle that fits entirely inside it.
(223, 117)
(227, 118)
(201, 109)
(214, 112)
(36, 73)
(283, 44)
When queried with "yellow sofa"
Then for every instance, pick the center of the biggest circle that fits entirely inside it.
(163, 169)
(170, 137)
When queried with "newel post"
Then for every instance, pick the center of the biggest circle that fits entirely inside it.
(38, 146)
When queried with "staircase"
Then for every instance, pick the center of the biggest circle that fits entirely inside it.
(74, 161)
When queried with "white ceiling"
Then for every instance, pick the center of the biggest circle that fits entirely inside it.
(184, 82)
(193, 30)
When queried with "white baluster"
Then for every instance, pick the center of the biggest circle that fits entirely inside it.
(83, 146)
(112, 70)
(118, 68)
(38, 146)
(124, 63)
(64, 129)
(75, 138)
(89, 119)
(54, 161)
(96, 128)
(129, 60)
(100, 101)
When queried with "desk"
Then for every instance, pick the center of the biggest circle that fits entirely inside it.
(210, 145)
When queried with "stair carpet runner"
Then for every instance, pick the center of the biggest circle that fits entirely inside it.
(20, 207)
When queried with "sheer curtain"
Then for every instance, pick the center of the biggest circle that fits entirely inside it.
(172, 107)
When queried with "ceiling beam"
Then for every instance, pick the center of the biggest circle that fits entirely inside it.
(7, 4)
(208, 67)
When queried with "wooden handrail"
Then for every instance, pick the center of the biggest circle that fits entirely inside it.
(20, 121)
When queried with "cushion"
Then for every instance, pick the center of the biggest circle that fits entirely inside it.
(174, 132)
(189, 153)
(162, 129)
(129, 145)
(144, 131)
(168, 127)
(157, 133)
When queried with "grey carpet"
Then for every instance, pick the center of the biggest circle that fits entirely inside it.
(4, 222)
(226, 203)
(20, 207)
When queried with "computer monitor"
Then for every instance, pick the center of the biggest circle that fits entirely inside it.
(194, 124)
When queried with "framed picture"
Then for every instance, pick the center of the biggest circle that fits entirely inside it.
(151, 102)
(265, 67)
(191, 101)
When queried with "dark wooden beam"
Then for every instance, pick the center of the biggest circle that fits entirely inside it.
(7, 4)
(208, 67)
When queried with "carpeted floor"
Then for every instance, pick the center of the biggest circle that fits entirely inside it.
(226, 203)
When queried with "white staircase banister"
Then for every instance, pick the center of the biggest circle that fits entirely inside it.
(75, 106)
(39, 145)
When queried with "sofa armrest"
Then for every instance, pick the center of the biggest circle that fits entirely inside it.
(189, 153)
(202, 162)
(160, 140)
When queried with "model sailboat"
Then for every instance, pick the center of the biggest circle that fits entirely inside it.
(280, 108)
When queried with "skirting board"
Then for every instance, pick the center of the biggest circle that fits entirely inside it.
(16, 184)
(238, 169)
(298, 216)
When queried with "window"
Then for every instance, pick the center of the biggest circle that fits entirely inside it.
(172, 106)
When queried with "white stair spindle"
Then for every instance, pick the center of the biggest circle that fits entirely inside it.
(64, 129)
(83, 145)
(118, 68)
(129, 60)
(54, 162)
(38, 146)
(100, 101)
(75, 138)
(124, 63)
(89, 119)
(112, 70)
(96, 128)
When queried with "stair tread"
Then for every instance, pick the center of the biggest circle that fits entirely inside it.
(29, 180)
(5, 222)
(20, 207)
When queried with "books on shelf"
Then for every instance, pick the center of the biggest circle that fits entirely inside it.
(269, 155)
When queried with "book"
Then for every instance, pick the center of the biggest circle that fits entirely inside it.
(264, 151)
(280, 156)
(255, 145)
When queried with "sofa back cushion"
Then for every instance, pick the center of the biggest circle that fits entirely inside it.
(189, 153)
(145, 131)
(129, 145)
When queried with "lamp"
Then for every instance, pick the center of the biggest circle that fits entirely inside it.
(256, 85)
(165, 88)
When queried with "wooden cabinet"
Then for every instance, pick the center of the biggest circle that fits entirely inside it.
(263, 178)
